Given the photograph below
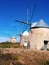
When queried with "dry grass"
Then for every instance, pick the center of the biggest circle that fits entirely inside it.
(11, 56)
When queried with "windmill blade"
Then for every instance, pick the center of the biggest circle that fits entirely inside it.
(24, 29)
(19, 34)
(22, 22)
(27, 23)
(33, 12)
(30, 18)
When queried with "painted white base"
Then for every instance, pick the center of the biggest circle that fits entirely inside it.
(25, 44)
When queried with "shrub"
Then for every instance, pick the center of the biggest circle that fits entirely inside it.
(5, 46)
(6, 56)
(46, 62)
(47, 49)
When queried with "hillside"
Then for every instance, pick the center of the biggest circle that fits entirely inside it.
(9, 45)
(11, 56)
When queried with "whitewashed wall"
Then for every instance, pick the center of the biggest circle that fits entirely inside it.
(37, 37)
(23, 39)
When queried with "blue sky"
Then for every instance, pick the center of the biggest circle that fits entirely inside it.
(10, 10)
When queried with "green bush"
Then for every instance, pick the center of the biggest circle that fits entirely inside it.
(48, 49)
(5, 46)
(46, 62)
(9, 45)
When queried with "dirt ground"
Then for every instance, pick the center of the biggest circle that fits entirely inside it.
(11, 56)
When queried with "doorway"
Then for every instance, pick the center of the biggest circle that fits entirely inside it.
(45, 44)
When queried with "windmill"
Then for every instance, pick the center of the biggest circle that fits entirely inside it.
(26, 42)
(26, 23)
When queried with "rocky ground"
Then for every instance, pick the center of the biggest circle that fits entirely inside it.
(11, 56)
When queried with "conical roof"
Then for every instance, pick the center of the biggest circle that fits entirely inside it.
(25, 33)
(40, 24)
(33, 24)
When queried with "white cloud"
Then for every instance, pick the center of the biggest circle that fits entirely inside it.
(3, 39)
